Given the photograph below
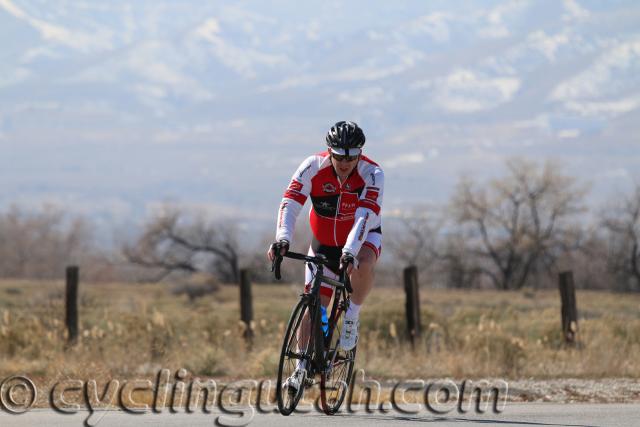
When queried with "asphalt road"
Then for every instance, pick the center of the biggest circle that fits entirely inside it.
(527, 414)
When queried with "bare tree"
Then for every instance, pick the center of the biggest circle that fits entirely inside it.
(39, 244)
(414, 236)
(423, 236)
(521, 223)
(622, 222)
(456, 264)
(590, 262)
(172, 242)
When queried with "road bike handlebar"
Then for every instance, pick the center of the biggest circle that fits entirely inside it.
(277, 260)
(318, 259)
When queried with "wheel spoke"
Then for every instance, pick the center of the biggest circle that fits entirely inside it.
(291, 353)
(335, 378)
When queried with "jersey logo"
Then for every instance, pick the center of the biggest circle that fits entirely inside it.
(295, 186)
(283, 206)
(348, 205)
(328, 188)
(373, 179)
(372, 195)
(363, 227)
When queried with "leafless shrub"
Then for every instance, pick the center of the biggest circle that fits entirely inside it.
(174, 242)
(622, 224)
(41, 244)
(196, 286)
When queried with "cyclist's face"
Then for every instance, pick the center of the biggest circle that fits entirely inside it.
(345, 165)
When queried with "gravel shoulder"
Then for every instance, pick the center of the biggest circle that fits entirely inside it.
(573, 390)
(559, 390)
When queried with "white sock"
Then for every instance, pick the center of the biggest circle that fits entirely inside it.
(353, 311)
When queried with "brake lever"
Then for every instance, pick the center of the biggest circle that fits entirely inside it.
(344, 278)
(275, 266)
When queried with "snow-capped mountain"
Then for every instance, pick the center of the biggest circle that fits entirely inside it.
(112, 107)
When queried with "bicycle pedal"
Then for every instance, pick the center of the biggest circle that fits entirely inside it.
(309, 382)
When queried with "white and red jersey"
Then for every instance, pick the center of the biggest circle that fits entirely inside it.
(342, 214)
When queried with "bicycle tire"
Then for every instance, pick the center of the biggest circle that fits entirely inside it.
(288, 359)
(335, 378)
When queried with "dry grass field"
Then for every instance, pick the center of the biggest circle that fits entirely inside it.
(135, 330)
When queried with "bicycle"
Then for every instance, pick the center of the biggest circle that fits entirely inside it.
(321, 350)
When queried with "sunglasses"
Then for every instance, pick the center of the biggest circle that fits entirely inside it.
(340, 158)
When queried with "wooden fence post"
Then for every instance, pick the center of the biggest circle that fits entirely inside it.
(246, 303)
(569, 311)
(71, 304)
(412, 304)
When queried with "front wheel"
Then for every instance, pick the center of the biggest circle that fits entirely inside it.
(292, 351)
(338, 370)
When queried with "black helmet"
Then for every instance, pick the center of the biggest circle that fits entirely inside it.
(344, 136)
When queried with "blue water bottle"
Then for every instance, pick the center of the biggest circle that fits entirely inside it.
(325, 321)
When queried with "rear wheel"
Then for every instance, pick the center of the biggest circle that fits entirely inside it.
(338, 370)
(292, 351)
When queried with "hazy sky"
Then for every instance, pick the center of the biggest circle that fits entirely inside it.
(111, 108)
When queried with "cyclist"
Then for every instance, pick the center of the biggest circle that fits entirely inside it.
(346, 194)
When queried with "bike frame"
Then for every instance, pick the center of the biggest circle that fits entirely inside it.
(339, 290)
(342, 287)
(319, 353)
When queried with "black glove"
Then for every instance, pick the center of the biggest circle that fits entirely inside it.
(347, 259)
(278, 246)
